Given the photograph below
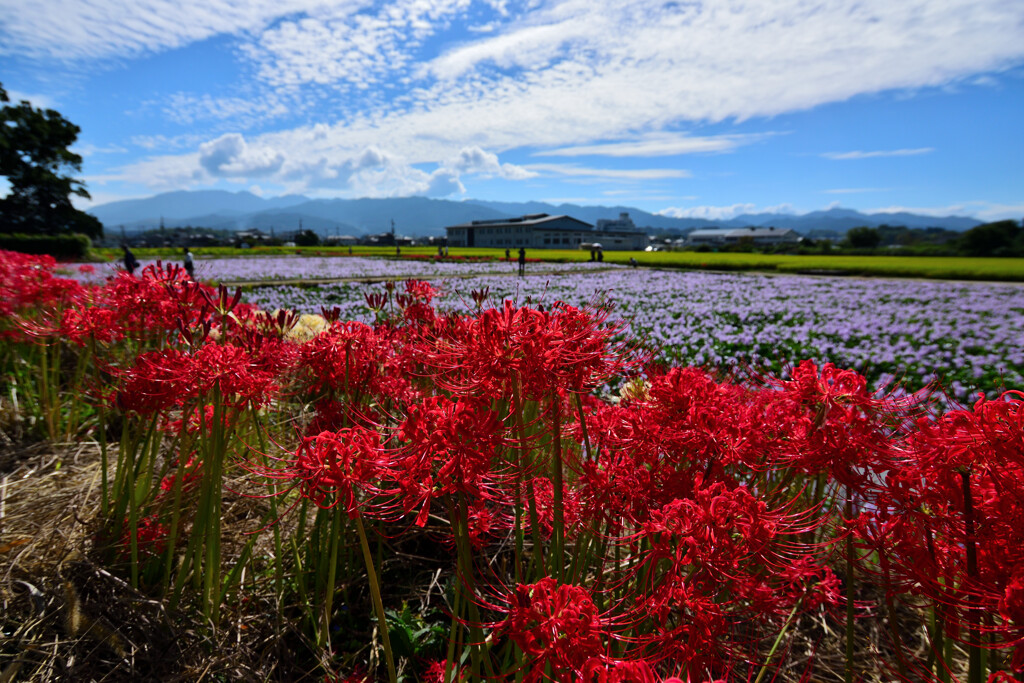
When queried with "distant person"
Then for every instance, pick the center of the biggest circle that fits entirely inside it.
(190, 267)
(508, 255)
(440, 251)
(130, 262)
(522, 261)
(350, 250)
(593, 254)
(632, 261)
(600, 255)
(398, 250)
(446, 251)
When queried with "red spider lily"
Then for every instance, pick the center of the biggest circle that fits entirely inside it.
(451, 448)
(189, 479)
(564, 349)
(343, 360)
(27, 282)
(837, 425)
(162, 380)
(600, 670)
(554, 625)
(435, 670)
(956, 531)
(719, 559)
(335, 468)
(81, 323)
(159, 301)
(151, 539)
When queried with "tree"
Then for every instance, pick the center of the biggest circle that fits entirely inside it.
(1002, 238)
(864, 237)
(307, 238)
(36, 162)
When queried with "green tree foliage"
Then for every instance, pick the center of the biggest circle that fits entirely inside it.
(36, 162)
(1002, 238)
(864, 237)
(307, 238)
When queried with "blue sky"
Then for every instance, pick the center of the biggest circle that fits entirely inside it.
(708, 108)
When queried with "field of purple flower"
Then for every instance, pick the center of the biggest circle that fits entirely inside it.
(964, 335)
(250, 268)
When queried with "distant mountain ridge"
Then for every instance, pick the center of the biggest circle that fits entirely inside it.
(420, 216)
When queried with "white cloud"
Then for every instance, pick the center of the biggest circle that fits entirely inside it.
(719, 213)
(355, 49)
(843, 156)
(88, 150)
(610, 173)
(38, 101)
(187, 109)
(659, 145)
(230, 155)
(563, 75)
(475, 160)
(103, 29)
(373, 172)
(169, 143)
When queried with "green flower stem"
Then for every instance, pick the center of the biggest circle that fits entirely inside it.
(849, 592)
(324, 637)
(378, 604)
(775, 645)
(558, 533)
(975, 664)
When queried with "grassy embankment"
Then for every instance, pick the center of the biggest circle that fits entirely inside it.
(950, 268)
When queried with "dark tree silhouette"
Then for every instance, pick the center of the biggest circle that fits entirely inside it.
(864, 237)
(1002, 238)
(36, 162)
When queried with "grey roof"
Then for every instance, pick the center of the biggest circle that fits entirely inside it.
(536, 220)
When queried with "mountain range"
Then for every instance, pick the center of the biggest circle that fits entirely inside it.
(419, 216)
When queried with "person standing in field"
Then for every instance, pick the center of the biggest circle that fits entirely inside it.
(130, 262)
(190, 267)
(522, 261)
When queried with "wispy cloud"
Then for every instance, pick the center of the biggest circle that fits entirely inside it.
(563, 76)
(106, 29)
(88, 150)
(609, 173)
(188, 109)
(842, 156)
(659, 145)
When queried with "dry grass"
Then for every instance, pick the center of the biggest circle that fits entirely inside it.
(63, 617)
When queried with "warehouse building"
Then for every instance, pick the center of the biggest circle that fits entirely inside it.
(542, 231)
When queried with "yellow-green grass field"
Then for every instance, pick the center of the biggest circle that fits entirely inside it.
(934, 267)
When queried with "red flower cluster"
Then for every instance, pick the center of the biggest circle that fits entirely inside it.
(556, 626)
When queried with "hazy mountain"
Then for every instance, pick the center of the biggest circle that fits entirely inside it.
(417, 216)
(178, 206)
(841, 220)
(412, 215)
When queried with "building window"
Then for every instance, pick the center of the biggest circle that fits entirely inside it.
(547, 240)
